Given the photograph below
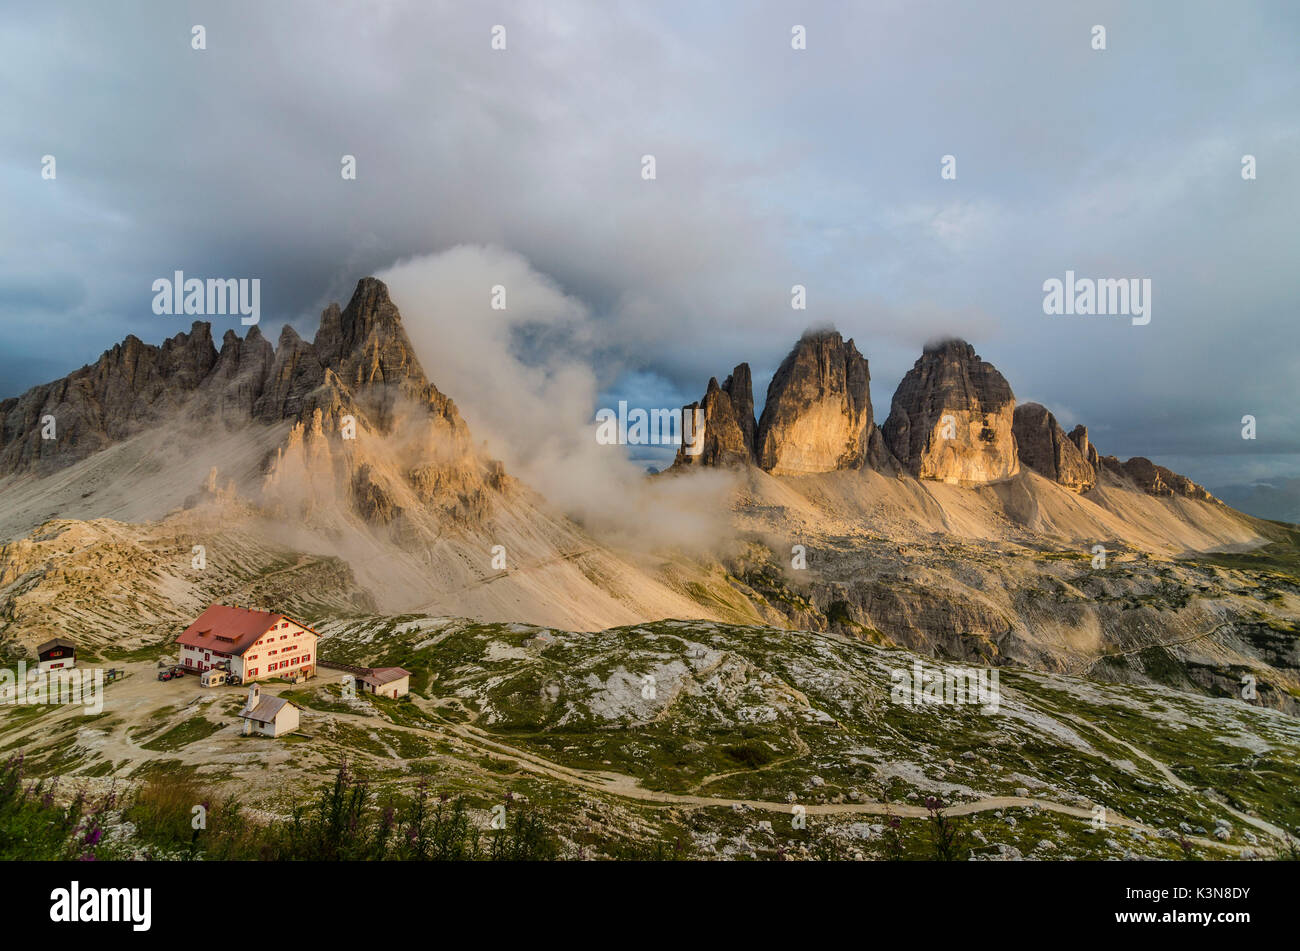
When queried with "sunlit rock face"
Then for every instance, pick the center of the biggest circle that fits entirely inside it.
(951, 418)
(818, 412)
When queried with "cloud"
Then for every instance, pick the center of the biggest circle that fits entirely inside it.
(775, 167)
(522, 378)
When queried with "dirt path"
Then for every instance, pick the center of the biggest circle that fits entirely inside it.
(135, 700)
(629, 787)
(1169, 775)
(1081, 668)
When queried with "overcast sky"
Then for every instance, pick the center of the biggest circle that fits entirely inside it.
(774, 167)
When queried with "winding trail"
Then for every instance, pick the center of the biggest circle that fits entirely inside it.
(1080, 668)
(136, 698)
(629, 787)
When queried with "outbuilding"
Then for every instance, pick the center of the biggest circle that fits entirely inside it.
(57, 654)
(268, 716)
(390, 682)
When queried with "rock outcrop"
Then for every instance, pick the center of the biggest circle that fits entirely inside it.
(1079, 436)
(951, 418)
(360, 372)
(1156, 480)
(295, 373)
(719, 429)
(817, 417)
(1044, 447)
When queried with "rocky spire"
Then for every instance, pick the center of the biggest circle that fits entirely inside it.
(817, 417)
(235, 383)
(1079, 436)
(329, 335)
(294, 374)
(951, 418)
(724, 425)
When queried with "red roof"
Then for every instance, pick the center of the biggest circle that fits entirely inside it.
(228, 630)
(378, 676)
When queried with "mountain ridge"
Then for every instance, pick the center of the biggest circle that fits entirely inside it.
(953, 418)
(342, 448)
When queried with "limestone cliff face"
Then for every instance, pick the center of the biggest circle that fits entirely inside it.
(361, 361)
(818, 412)
(295, 373)
(231, 390)
(951, 418)
(723, 423)
(1045, 448)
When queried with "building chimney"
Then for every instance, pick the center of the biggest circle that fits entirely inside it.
(254, 697)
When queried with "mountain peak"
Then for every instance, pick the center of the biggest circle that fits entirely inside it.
(817, 417)
(134, 383)
(954, 345)
(951, 418)
(369, 308)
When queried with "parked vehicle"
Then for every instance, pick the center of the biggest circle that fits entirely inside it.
(165, 675)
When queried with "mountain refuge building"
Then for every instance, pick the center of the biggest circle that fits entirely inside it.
(254, 645)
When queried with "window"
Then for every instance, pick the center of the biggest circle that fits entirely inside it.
(253, 672)
(306, 657)
(272, 666)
